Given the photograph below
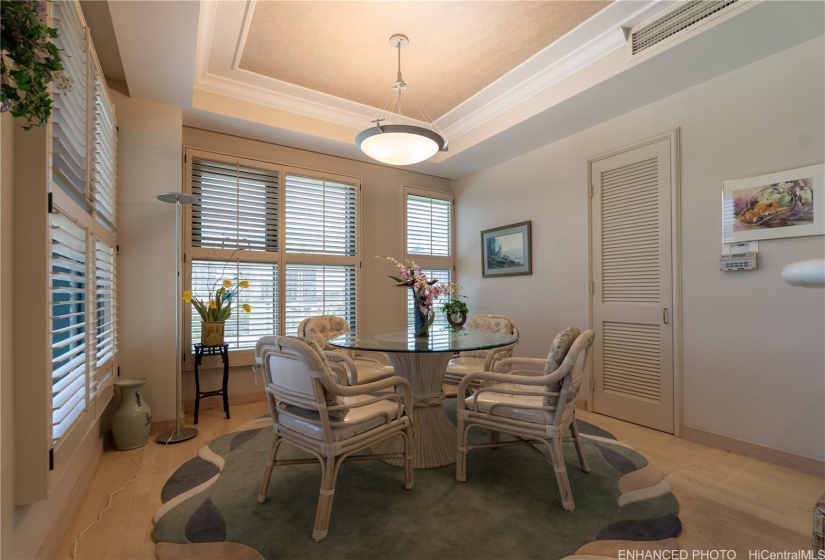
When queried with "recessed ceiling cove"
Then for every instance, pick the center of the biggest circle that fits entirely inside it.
(456, 48)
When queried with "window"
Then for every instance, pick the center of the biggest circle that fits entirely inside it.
(291, 233)
(428, 227)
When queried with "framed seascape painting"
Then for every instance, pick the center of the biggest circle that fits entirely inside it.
(505, 251)
(785, 204)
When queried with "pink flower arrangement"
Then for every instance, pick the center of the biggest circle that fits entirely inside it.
(426, 290)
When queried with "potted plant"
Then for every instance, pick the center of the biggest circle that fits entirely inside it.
(216, 310)
(455, 310)
(29, 62)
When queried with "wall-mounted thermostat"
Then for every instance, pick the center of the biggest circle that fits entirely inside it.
(737, 261)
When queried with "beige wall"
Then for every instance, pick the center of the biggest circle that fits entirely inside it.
(382, 304)
(754, 358)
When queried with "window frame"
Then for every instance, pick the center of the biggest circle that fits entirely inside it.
(423, 260)
(281, 258)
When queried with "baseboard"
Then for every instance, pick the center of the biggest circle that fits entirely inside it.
(774, 456)
(50, 546)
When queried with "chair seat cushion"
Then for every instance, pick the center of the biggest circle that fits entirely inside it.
(464, 365)
(357, 421)
(372, 371)
(510, 406)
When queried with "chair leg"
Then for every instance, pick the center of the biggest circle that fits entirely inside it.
(461, 451)
(495, 437)
(409, 470)
(273, 452)
(329, 470)
(577, 442)
(557, 459)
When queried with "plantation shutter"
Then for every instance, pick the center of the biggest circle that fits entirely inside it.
(102, 153)
(429, 227)
(242, 330)
(320, 216)
(105, 314)
(319, 289)
(238, 207)
(70, 365)
(69, 105)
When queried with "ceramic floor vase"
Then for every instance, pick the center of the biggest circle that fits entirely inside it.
(132, 419)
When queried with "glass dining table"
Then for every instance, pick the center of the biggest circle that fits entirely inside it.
(422, 361)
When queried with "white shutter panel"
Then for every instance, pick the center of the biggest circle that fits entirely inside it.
(105, 314)
(242, 330)
(102, 153)
(320, 216)
(238, 207)
(318, 289)
(69, 327)
(429, 227)
(69, 105)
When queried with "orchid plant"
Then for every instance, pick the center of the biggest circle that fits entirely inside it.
(218, 308)
(426, 290)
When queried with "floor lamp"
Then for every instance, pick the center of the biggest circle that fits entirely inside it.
(180, 433)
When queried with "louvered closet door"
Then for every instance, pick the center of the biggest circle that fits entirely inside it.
(632, 299)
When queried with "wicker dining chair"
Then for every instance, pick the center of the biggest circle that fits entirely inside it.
(312, 411)
(481, 360)
(532, 409)
(357, 368)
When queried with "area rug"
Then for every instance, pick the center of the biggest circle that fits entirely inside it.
(508, 508)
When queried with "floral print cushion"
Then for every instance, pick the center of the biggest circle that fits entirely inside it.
(331, 400)
(558, 350)
(487, 324)
(323, 327)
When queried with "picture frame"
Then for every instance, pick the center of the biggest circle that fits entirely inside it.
(784, 204)
(507, 250)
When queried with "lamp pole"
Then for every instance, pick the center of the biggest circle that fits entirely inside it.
(180, 433)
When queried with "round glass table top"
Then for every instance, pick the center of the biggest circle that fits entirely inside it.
(440, 339)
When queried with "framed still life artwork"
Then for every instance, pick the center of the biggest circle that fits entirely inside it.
(505, 251)
(785, 204)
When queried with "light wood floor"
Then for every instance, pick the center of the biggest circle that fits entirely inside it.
(726, 501)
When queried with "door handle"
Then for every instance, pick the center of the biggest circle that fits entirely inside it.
(664, 316)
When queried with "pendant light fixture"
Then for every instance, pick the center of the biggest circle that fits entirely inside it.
(400, 144)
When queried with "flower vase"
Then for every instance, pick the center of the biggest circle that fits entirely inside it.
(133, 417)
(422, 323)
(212, 333)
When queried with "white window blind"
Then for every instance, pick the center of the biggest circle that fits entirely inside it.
(105, 314)
(238, 207)
(443, 275)
(320, 216)
(318, 289)
(429, 226)
(242, 330)
(69, 105)
(102, 153)
(70, 365)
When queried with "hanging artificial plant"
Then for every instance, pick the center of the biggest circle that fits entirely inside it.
(30, 61)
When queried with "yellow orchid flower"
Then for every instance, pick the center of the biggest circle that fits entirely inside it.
(227, 284)
(244, 284)
(247, 307)
(187, 296)
(213, 304)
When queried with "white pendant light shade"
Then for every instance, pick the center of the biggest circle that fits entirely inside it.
(399, 144)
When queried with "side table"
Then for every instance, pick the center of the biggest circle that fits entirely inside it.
(202, 350)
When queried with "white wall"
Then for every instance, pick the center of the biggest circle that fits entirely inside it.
(754, 357)
(382, 303)
(150, 161)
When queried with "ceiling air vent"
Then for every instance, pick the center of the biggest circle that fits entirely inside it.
(686, 15)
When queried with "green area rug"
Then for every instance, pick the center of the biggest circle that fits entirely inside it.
(508, 508)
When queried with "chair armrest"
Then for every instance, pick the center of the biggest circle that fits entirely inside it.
(373, 386)
(492, 354)
(499, 365)
(370, 356)
(506, 378)
(345, 367)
